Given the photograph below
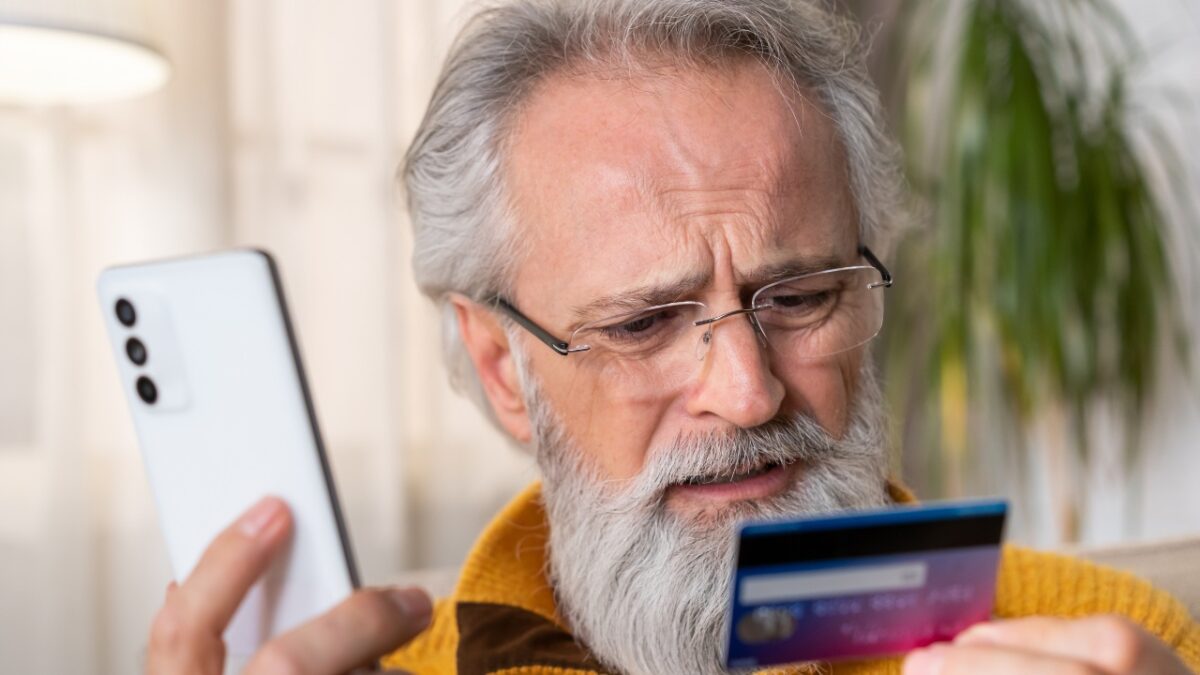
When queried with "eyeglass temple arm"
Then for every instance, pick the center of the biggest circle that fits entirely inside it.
(883, 271)
(540, 333)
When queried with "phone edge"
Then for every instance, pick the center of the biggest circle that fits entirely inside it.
(318, 440)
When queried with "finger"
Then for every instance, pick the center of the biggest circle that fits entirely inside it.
(1111, 642)
(358, 631)
(946, 659)
(177, 646)
(232, 563)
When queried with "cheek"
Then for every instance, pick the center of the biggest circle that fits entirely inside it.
(612, 423)
(823, 390)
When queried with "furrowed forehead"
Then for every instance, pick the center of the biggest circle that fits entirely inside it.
(603, 176)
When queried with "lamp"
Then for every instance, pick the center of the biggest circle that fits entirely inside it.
(56, 59)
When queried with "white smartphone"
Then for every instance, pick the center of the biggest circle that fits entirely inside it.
(209, 363)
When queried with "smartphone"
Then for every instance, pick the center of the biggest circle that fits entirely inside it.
(209, 364)
(862, 584)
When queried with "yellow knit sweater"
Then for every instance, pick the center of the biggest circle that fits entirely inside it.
(501, 617)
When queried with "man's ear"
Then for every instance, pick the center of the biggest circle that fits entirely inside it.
(488, 346)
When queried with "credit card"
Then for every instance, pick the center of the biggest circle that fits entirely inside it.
(862, 584)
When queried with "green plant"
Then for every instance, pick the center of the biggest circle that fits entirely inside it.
(1042, 283)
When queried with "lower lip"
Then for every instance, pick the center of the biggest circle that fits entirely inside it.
(763, 485)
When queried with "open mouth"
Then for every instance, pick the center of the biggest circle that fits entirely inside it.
(733, 477)
(759, 480)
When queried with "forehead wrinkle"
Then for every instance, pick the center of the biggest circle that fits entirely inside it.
(692, 158)
(753, 189)
(748, 197)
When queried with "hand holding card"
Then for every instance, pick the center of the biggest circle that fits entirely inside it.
(862, 584)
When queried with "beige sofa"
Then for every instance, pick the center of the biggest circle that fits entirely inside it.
(1173, 565)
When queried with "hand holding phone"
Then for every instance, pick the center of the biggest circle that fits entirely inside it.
(186, 636)
(212, 372)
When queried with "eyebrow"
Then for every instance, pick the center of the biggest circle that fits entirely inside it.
(795, 267)
(640, 297)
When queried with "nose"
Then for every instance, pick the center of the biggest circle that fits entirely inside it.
(736, 382)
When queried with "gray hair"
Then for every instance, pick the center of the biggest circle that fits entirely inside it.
(462, 222)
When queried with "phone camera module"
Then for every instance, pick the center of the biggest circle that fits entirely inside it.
(125, 313)
(136, 351)
(146, 390)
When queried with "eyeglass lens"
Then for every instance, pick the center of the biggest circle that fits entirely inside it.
(801, 319)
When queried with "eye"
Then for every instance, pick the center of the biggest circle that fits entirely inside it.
(640, 327)
(801, 301)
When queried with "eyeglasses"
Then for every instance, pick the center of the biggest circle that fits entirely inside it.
(811, 316)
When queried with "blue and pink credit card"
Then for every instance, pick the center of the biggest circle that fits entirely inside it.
(862, 584)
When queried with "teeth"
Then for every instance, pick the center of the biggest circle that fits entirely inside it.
(726, 478)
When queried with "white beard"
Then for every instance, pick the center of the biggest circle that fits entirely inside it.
(647, 590)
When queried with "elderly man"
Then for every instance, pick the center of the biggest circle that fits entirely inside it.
(655, 229)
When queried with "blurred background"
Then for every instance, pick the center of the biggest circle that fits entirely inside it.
(1037, 344)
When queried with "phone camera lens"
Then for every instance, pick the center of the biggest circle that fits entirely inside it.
(125, 313)
(136, 351)
(146, 389)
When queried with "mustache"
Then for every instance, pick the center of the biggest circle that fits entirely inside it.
(795, 438)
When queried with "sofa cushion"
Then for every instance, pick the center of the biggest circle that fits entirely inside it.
(1173, 565)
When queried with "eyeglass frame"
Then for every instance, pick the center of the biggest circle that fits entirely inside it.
(564, 348)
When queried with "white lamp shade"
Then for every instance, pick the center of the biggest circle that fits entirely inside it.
(45, 64)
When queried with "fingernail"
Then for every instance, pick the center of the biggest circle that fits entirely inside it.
(924, 662)
(260, 515)
(414, 602)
